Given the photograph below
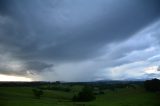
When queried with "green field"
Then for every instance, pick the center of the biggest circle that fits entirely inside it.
(23, 96)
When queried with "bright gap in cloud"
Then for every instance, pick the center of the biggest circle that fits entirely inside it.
(152, 69)
(13, 78)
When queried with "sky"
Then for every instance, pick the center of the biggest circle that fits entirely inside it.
(79, 40)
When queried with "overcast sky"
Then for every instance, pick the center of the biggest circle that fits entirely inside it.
(80, 40)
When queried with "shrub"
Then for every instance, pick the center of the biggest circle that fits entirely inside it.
(37, 93)
(86, 94)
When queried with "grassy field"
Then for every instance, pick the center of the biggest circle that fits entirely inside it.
(23, 96)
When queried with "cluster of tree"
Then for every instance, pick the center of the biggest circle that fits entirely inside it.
(97, 91)
(61, 88)
(113, 87)
(152, 85)
(37, 93)
(105, 82)
(64, 88)
(85, 95)
(25, 84)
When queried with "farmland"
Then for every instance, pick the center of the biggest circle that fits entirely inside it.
(126, 96)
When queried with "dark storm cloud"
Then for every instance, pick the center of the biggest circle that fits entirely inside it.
(45, 42)
(3, 6)
(37, 66)
(41, 33)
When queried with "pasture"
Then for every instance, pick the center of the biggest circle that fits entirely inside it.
(23, 96)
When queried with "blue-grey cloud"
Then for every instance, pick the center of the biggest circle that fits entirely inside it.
(42, 33)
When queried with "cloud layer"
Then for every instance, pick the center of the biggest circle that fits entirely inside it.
(79, 40)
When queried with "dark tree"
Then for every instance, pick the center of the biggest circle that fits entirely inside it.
(57, 82)
(37, 93)
(152, 85)
(86, 94)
